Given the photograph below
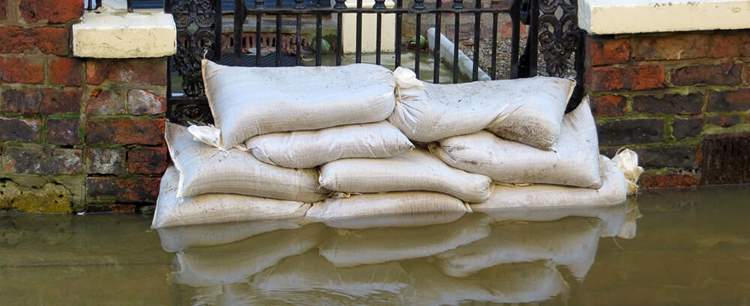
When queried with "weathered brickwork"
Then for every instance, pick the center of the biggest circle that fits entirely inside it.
(664, 94)
(75, 134)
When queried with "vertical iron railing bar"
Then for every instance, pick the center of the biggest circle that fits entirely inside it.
(457, 6)
(129, 5)
(418, 6)
(318, 38)
(358, 37)
(477, 30)
(515, 40)
(397, 47)
(258, 26)
(217, 30)
(493, 64)
(239, 21)
(167, 6)
(299, 5)
(277, 38)
(533, 37)
(436, 47)
(98, 4)
(340, 5)
(379, 5)
(579, 64)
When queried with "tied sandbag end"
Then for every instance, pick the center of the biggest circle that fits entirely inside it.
(627, 161)
(405, 78)
(207, 134)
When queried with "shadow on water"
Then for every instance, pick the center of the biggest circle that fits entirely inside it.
(691, 248)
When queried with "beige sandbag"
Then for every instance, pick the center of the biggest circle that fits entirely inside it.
(205, 169)
(309, 149)
(180, 238)
(571, 242)
(371, 246)
(415, 170)
(528, 110)
(393, 209)
(235, 262)
(249, 101)
(574, 162)
(217, 208)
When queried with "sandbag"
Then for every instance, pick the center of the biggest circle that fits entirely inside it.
(371, 246)
(393, 209)
(249, 101)
(528, 110)
(414, 170)
(217, 208)
(309, 149)
(574, 162)
(180, 238)
(205, 169)
(570, 242)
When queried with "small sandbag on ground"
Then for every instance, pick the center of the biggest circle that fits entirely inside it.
(217, 208)
(393, 209)
(205, 169)
(371, 246)
(416, 170)
(309, 149)
(528, 110)
(246, 101)
(574, 162)
(180, 238)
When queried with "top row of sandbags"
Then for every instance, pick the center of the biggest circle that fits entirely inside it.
(250, 101)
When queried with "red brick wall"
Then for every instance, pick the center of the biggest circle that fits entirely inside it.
(664, 94)
(92, 126)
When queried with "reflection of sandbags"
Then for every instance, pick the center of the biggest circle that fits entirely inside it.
(217, 208)
(205, 169)
(401, 209)
(311, 272)
(231, 263)
(526, 110)
(244, 294)
(509, 283)
(370, 246)
(415, 170)
(570, 242)
(575, 161)
(548, 197)
(245, 101)
(309, 149)
(175, 239)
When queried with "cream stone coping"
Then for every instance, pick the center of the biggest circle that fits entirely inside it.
(646, 16)
(119, 34)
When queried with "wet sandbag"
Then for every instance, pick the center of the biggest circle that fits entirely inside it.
(502, 284)
(250, 101)
(309, 149)
(235, 262)
(205, 169)
(371, 246)
(570, 242)
(527, 110)
(393, 209)
(416, 170)
(574, 162)
(217, 208)
(180, 238)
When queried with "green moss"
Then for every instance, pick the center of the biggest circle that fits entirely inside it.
(51, 198)
(740, 128)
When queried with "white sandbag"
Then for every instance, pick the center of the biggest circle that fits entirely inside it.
(505, 198)
(411, 171)
(528, 110)
(217, 208)
(235, 262)
(180, 238)
(205, 169)
(309, 149)
(393, 209)
(627, 161)
(371, 246)
(574, 162)
(571, 242)
(249, 101)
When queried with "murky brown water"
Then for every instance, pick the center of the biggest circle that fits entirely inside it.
(690, 248)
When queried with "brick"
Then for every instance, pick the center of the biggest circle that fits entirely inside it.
(21, 70)
(105, 102)
(31, 101)
(622, 132)
(639, 77)
(105, 161)
(673, 156)
(60, 101)
(132, 71)
(148, 160)
(36, 159)
(144, 131)
(65, 71)
(63, 131)
(58, 11)
(608, 51)
(672, 180)
(21, 101)
(19, 129)
(144, 102)
(132, 189)
(684, 128)
(669, 104)
(728, 101)
(681, 46)
(609, 105)
(725, 120)
(3, 9)
(50, 40)
(725, 74)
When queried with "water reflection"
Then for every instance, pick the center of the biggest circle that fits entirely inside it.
(476, 259)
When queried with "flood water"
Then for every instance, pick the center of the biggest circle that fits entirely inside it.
(687, 248)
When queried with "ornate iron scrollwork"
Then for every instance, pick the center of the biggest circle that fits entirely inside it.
(558, 35)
